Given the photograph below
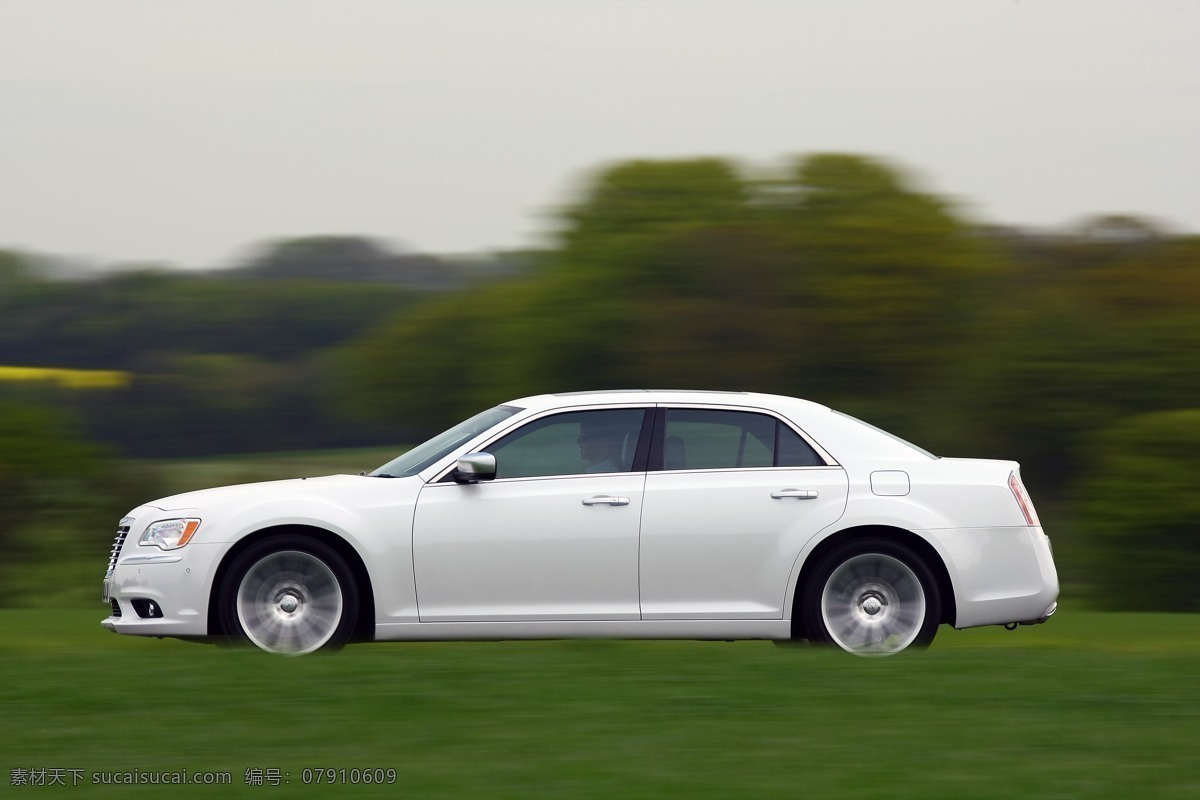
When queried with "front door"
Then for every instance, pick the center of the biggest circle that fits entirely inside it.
(553, 537)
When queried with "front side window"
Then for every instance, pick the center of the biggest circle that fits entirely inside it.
(713, 439)
(574, 443)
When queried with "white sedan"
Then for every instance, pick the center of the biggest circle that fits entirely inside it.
(622, 514)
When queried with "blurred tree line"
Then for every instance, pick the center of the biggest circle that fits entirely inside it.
(834, 279)
(225, 361)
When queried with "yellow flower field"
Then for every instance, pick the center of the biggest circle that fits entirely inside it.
(69, 378)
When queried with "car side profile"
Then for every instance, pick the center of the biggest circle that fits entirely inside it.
(622, 514)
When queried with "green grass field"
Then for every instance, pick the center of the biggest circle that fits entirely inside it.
(1088, 705)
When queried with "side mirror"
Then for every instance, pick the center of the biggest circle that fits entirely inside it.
(475, 467)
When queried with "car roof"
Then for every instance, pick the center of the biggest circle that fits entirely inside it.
(666, 396)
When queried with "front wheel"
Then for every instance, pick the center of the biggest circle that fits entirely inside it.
(291, 595)
(872, 597)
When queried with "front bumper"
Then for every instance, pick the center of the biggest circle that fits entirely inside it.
(162, 594)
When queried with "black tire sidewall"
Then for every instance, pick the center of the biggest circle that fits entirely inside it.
(814, 623)
(243, 561)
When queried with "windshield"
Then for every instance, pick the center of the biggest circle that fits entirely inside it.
(432, 451)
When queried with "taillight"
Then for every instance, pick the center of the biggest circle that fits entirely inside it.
(1023, 500)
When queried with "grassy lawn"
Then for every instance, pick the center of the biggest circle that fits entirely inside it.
(1088, 705)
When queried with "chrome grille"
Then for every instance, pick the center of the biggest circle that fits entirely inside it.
(118, 543)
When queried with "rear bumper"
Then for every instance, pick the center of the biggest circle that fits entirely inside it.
(1049, 613)
(1000, 575)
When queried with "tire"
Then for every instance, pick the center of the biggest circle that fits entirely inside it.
(872, 597)
(289, 594)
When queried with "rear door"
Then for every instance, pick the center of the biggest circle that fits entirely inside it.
(731, 497)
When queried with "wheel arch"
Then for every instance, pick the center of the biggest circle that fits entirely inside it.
(364, 627)
(906, 537)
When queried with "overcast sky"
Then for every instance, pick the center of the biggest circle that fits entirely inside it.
(188, 130)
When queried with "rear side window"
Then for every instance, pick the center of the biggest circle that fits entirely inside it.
(712, 439)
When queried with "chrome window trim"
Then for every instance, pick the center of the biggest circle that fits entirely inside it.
(580, 475)
(574, 476)
(739, 469)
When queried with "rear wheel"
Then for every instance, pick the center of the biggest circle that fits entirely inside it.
(872, 597)
(289, 594)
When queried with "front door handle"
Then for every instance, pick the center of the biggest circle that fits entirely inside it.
(799, 494)
(606, 500)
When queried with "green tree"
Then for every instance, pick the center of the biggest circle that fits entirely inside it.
(449, 358)
(833, 283)
(347, 259)
(620, 302)
(636, 199)
(12, 268)
(60, 498)
(1079, 335)
(1140, 504)
(891, 278)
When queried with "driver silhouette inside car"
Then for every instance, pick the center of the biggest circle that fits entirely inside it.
(600, 448)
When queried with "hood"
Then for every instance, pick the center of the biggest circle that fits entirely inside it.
(295, 487)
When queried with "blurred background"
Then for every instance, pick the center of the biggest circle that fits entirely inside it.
(836, 280)
(175, 311)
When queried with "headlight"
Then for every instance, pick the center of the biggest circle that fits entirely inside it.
(170, 534)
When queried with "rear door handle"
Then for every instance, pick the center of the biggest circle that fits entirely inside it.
(799, 494)
(606, 500)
